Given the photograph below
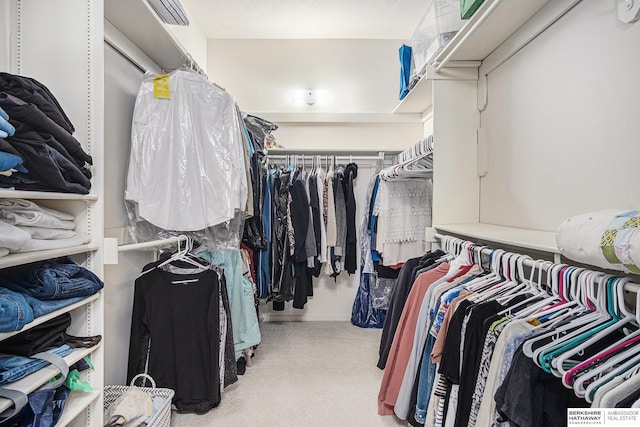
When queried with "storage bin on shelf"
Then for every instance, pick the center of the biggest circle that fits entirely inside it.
(437, 27)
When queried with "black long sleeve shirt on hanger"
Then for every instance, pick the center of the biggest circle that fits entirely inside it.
(316, 214)
(300, 220)
(182, 321)
(350, 251)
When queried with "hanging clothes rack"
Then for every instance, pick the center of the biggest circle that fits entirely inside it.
(311, 158)
(531, 263)
(419, 150)
(341, 155)
(415, 162)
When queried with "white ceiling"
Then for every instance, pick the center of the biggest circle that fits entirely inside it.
(306, 19)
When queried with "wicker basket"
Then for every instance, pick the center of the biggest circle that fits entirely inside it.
(162, 417)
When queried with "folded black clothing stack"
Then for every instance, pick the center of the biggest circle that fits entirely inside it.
(47, 335)
(43, 138)
(50, 334)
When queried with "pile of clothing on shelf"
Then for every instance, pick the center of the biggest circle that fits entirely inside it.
(33, 290)
(38, 151)
(28, 352)
(26, 227)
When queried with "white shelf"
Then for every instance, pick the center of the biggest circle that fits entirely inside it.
(544, 241)
(26, 258)
(488, 28)
(32, 382)
(139, 23)
(339, 117)
(39, 320)
(492, 24)
(418, 100)
(43, 195)
(77, 402)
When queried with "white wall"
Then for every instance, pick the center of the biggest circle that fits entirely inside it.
(341, 136)
(563, 122)
(264, 75)
(192, 38)
(427, 128)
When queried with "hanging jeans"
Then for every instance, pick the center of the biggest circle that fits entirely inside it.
(426, 380)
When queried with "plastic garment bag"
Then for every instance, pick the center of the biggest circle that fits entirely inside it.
(363, 313)
(381, 292)
(187, 168)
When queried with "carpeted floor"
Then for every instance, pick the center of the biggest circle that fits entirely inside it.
(304, 374)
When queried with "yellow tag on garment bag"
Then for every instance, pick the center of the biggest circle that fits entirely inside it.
(161, 86)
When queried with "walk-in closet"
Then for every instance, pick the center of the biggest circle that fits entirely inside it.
(336, 213)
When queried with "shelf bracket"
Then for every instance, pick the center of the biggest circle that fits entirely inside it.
(628, 10)
(483, 91)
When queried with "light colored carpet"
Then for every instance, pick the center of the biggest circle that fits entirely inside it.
(304, 374)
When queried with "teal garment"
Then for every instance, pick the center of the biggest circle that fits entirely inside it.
(244, 318)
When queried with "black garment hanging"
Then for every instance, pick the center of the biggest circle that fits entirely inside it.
(254, 234)
(398, 299)
(300, 219)
(175, 335)
(350, 250)
(316, 214)
(531, 397)
(282, 273)
(337, 255)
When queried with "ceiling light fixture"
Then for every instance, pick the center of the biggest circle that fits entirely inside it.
(310, 97)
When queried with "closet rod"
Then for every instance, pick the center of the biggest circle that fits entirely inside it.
(630, 287)
(152, 244)
(112, 249)
(311, 157)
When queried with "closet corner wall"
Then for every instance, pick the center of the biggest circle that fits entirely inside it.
(534, 124)
(60, 44)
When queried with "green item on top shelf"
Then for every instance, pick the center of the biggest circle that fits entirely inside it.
(469, 7)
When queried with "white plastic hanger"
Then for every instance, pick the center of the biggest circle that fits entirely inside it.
(183, 255)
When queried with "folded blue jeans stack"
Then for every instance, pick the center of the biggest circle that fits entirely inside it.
(34, 290)
(13, 368)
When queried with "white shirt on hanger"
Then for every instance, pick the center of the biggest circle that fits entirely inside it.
(187, 168)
